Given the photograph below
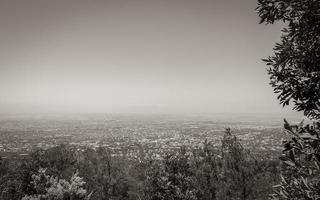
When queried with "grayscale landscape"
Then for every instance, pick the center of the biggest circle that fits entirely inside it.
(159, 99)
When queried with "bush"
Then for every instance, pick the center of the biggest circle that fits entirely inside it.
(295, 75)
(51, 188)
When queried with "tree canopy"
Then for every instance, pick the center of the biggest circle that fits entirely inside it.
(294, 68)
(294, 71)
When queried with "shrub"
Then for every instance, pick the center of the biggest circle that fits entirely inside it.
(51, 188)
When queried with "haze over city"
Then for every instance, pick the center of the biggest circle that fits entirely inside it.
(177, 56)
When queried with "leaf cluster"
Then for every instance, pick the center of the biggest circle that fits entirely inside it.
(301, 163)
(294, 68)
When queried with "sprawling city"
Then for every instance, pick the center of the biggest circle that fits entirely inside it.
(130, 133)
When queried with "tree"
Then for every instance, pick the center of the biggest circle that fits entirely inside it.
(240, 173)
(300, 177)
(295, 66)
(15, 182)
(206, 164)
(107, 176)
(171, 179)
(59, 161)
(51, 188)
(295, 74)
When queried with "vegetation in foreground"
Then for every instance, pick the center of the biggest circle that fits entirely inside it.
(294, 71)
(62, 172)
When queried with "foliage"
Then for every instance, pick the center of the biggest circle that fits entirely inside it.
(206, 164)
(3, 167)
(15, 180)
(51, 188)
(59, 161)
(232, 173)
(295, 75)
(295, 66)
(205, 172)
(242, 175)
(171, 179)
(301, 171)
(237, 171)
(108, 177)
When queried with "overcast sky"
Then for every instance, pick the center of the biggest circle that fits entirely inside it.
(118, 55)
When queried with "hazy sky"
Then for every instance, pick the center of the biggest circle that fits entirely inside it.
(116, 55)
